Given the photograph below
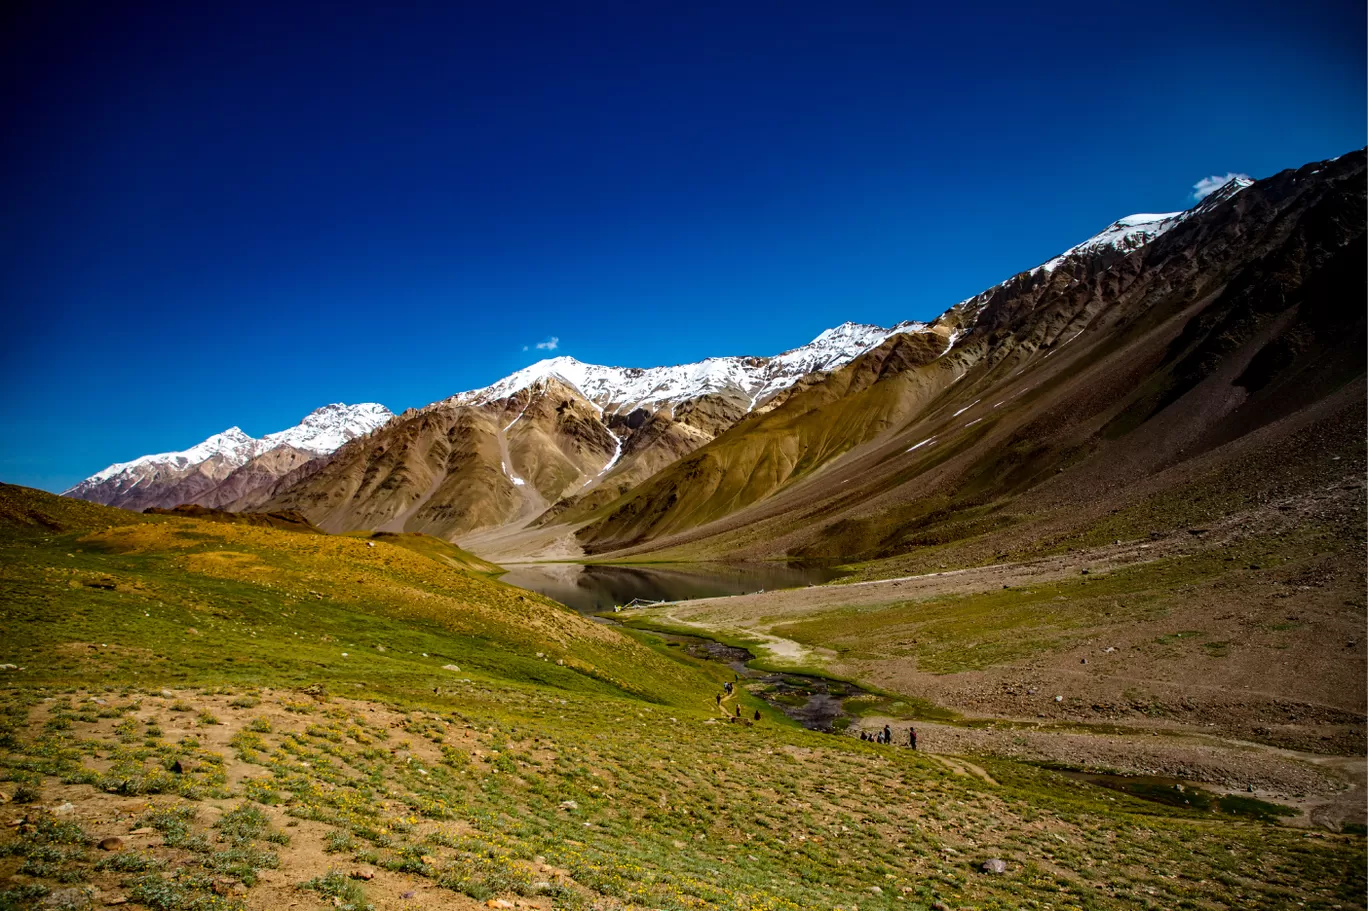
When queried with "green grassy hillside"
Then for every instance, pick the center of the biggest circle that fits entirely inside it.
(94, 594)
(436, 549)
(265, 719)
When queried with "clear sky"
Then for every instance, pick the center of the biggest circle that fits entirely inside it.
(233, 213)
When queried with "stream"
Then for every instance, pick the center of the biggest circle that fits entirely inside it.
(816, 703)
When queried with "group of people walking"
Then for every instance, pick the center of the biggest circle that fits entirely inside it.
(886, 736)
(729, 690)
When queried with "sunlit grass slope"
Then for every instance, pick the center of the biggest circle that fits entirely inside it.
(437, 549)
(93, 595)
(270, 711)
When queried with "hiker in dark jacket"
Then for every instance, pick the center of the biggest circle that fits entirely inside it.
(912, 737)
(887, 734)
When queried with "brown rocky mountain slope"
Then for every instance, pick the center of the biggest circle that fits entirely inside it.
(545, 453)
(1076, 389)
(258, 474)
(1134, 362)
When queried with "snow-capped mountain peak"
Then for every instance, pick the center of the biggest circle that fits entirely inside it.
(1223, 192)
(623, 389)
(323, 431)
(233, 445)
(1135, 231)
(327, 428)
(1124, 234)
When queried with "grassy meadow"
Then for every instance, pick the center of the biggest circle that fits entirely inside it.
(269, 719)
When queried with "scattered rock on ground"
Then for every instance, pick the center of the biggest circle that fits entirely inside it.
(994, 865)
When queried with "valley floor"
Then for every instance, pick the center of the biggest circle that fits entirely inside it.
(1232, 655)
(197, 715)
(268, 799)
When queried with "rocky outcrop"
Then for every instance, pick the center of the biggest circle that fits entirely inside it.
(258, 474)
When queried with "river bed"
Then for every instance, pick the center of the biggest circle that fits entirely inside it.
(816, 703)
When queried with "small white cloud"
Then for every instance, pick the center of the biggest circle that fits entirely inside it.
(1208, 185)
(524, 347)
(550, 344)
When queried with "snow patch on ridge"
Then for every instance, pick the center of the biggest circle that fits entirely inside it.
(1125, 234)
(626, 388)
(517, 481)
(617, 454)
(1135, 231)
(323, 431)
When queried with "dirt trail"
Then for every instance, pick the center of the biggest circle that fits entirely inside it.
(962, 766)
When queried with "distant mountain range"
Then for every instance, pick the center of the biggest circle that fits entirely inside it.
(198, 474)
(1163, 338)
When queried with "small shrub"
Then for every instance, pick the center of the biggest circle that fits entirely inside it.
(27, 792)
(159, 894)
(242, 825)
(242, 863)
(345, 893)
(130, 862)
(339, 842)
(25, 896)
(168, 820)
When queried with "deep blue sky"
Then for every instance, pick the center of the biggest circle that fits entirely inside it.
(221, 214)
